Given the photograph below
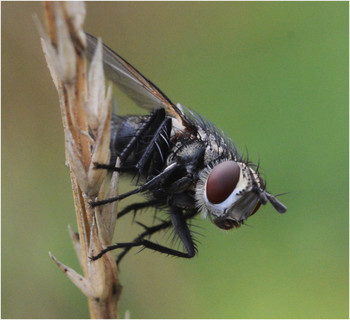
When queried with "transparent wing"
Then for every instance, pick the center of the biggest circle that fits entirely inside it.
(138, 88)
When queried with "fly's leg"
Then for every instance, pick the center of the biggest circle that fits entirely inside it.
(157, 150)
(180, 227)
(179, 221)
(137, 206)
(147, 233)
(153, 157)
(145, 130)
(138, 142)
(146, 186)
(146, 244)
(111, 167)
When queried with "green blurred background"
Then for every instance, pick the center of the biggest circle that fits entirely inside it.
(274, 77)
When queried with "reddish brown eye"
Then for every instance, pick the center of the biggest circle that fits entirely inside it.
(222, 180)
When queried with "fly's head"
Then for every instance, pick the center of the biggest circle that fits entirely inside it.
(230, 192)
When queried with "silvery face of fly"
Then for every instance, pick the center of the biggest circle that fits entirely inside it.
(231, 192)
(183, 163)
(225, 192)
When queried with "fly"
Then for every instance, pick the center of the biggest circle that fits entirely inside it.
(184, 164)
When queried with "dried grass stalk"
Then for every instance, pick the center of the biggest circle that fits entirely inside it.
(86, 115)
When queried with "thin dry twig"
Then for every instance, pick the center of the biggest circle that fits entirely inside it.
(86, 114)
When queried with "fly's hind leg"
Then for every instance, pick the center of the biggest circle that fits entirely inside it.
(146, 129)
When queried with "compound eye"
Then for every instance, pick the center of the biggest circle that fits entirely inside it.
(222, 181)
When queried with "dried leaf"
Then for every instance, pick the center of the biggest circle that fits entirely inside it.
(106, 216)
(98, 272)
(96, 85)
(76, 14)
(66, 51)
(76, 278)
(101, 152)
(76, 243)
(76, 162)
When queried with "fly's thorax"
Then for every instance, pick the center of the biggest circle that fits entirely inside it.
(186, 144)
(227, 192)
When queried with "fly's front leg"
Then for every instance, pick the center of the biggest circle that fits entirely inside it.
(181, 228)
(163, 226)
(179, 222)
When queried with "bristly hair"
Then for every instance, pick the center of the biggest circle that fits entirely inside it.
(219, 135)
(221, 138)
